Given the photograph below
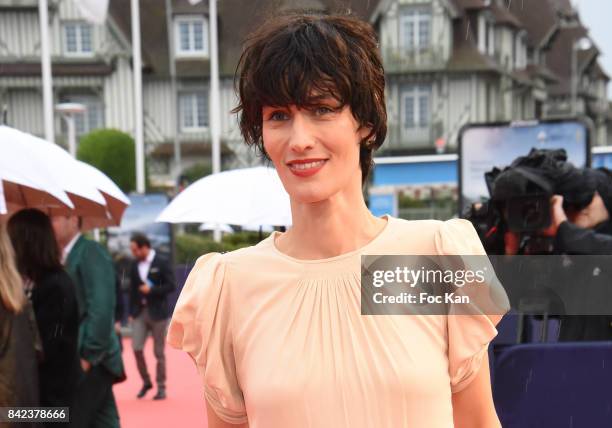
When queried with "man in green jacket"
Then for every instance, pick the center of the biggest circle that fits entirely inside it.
(92, 269)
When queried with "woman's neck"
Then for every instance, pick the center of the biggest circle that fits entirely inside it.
(329, 228)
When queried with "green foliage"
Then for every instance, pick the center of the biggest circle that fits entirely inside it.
(243, 239)
(408, 202)
(197, 171)
(112, 152)
(445, 202)
(191, 246)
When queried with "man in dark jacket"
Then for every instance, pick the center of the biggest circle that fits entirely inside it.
(152, 280)
(583, 233)
(587, 231)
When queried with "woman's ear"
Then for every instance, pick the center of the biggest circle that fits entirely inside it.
(364, 132)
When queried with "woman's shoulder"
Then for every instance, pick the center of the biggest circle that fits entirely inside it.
(260, 254)
(222, 261)
(428, 236)
(431, 226)
(245, 264)
(403, 225)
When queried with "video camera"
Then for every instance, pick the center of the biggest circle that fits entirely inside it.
(520, 198)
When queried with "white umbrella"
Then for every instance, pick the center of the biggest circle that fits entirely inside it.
(64, 168)
(2, 200)
(116, 200)
(27, 179)
(40, 174)
(226, 228)
(248, 196)
(255, 228)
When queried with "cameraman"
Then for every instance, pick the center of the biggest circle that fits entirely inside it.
(580, 232)
(521, 219)
(575, 235)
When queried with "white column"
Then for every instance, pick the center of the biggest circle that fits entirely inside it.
(174, 96)
(215, 114)
(137, 64)
(574, 80)
(45, 61)
(482, 37)
(71, 134)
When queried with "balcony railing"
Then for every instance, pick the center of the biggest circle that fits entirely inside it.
(21, 3)
(400, 60)
(399, 137)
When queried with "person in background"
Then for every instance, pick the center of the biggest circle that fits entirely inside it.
(585, 232)
(152, 280)
(55, 306)
(123, 266)
(18, 337)
(92, 269)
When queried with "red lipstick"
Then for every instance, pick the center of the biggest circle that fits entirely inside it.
(306, 167)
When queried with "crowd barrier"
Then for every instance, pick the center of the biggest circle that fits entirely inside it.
(553, 384)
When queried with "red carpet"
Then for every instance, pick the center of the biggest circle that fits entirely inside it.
(184, 407)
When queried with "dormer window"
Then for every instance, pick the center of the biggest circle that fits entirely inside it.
(486, 34)
(191, 36)
(415, 28)
(77, 39)
(519, 50)
(490, 38)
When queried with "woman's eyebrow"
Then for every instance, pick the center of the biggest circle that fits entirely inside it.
(322, 97)
(319, 99)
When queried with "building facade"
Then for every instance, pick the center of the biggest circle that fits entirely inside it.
(448, 63)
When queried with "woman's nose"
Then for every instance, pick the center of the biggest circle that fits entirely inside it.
(302, 135)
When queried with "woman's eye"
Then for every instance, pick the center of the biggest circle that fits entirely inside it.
(278, 115)
(323, 110)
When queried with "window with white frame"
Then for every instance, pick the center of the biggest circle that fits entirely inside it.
(193, 111)
(482, 33)
(520, 50)
(491, 39)
(191, 36)
(415, 28)
(92, 118)
(416, 107)
(78, 39)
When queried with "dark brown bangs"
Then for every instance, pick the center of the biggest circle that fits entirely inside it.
(291, 72)
(298, 59)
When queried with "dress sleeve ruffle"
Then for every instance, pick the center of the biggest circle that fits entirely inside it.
(471, 327)
(201, 326)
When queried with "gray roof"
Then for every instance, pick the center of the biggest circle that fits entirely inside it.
(236, 18)
(538, 17)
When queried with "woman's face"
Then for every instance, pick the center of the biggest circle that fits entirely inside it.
(314, 150)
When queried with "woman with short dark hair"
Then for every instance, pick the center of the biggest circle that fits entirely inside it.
(53, 297)
(276, 329)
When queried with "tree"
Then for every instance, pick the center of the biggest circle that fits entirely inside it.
(112, 152)
(197, 171)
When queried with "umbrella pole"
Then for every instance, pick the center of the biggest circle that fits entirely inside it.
(260, 234)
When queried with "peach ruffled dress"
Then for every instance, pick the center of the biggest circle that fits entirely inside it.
(281, 342)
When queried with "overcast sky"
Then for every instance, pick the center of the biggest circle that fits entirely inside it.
(596, 16)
